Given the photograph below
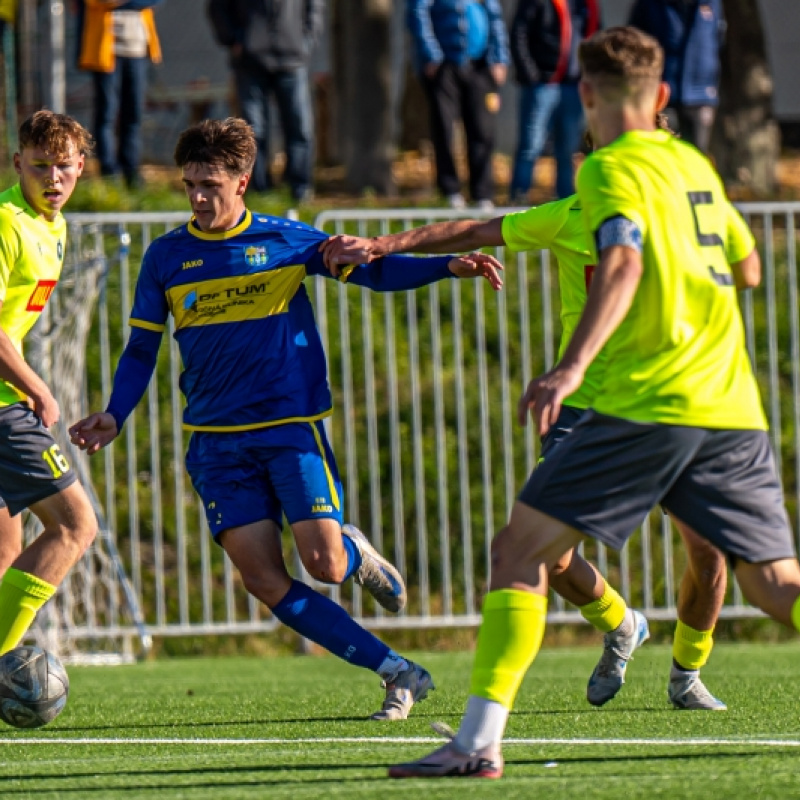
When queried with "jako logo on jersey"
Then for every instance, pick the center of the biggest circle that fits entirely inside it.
(255, 256)
(60, 250)
(198, 262)
(40, 296)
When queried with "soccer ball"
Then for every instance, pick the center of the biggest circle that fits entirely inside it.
(33, 687)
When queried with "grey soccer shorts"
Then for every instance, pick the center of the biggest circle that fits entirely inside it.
(32, 465)
(606, 475)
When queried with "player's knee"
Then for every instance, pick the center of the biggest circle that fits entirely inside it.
(499, 547)
(561, 566)
(326, 566)
(708, 564)
(82, 526)
(9, 553)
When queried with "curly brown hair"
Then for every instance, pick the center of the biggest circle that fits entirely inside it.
(624, 57)
(54, 133)
(228, 143)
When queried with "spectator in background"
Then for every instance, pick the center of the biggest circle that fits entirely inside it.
(545, 35)
(117, 42)
(270, 44)
(691, 34)
(8, 13)
(461, 50)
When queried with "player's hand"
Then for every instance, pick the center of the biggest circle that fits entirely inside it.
(431, 68)
(338, 251)
(499, 73)
(46, 408)
(544, 396)
(94, 432)
(478, 265)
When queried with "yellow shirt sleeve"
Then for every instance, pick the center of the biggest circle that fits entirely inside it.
(607, 190)
(739, 239)
(537, 227)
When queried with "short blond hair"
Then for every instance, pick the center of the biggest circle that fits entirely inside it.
(54, 133)
(622, 58)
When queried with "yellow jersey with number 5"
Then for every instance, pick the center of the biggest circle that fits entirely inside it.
(679, 355)
(31, 255)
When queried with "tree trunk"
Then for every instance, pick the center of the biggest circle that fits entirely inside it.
(414, 114)
(746, 141)
(363, 90)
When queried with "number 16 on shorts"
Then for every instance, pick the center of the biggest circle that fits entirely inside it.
(56, 460)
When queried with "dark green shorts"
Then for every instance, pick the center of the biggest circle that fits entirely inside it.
(32, 466)
(606, 475)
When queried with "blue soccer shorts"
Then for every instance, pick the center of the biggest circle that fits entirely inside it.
(263, 474)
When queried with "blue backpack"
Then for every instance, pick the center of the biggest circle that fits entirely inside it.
(477, 29)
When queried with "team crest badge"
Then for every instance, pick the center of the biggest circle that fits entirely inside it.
(255, 255)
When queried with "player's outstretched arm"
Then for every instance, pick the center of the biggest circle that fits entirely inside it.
(440, 237)
(405, 273)
(94, 432)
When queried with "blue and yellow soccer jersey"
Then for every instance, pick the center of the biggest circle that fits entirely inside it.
(31, 256)
(559, 227)
(679, 355)
(244, 324)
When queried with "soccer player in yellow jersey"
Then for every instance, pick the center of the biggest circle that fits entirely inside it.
(34, 473)
(678, 421)
(558, 226)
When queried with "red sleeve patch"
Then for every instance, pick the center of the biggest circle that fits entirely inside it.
(40, 295)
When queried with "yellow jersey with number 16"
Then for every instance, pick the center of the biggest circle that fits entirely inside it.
(31, 255)
(679, 355)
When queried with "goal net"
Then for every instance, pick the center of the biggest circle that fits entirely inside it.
(94, 616)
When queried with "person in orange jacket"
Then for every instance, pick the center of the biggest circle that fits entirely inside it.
(118, 39)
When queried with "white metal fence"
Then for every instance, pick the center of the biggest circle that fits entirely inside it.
(424, 428)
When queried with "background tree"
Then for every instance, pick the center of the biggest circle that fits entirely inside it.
(746, 142)
(362, 107)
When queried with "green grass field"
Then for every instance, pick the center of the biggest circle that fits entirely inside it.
(295, 728)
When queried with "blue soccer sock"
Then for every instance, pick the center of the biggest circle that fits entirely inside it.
(327, 624)
(353, 557)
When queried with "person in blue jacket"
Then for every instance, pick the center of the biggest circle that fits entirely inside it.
(692, 34)
(256, 388)
(461, 54)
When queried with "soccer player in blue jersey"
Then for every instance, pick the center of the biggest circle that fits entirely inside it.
(255, 382)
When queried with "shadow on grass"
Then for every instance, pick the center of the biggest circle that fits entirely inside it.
(138, 778)
(417, 714)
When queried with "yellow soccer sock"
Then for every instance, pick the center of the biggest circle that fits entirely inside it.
(691, 648)
(607, 613)
(796, 614)
(508, 641)
(21, 596)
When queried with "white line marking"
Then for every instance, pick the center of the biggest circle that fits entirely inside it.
(407, 740)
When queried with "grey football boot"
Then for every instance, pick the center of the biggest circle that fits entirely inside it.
(609, 674)
(378, 576)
